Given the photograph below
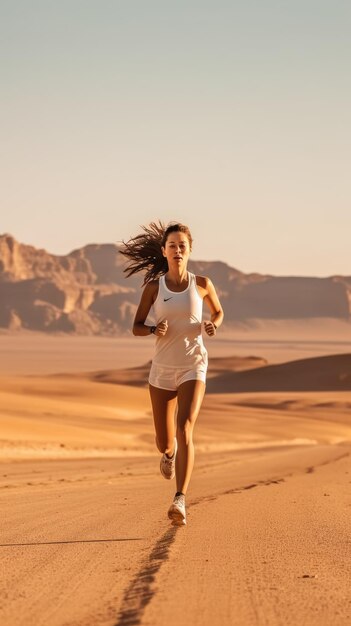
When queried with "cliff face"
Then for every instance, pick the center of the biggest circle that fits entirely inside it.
(86, 292)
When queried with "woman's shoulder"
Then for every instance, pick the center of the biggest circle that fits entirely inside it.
(202, 281)
(203, 284)
(152, 284)
(151, 288)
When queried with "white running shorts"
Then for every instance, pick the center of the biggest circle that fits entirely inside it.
(168, 377)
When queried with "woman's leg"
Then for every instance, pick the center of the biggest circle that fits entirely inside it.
(190, 396)
(163, 407)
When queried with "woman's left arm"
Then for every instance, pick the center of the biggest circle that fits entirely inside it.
(212, 301)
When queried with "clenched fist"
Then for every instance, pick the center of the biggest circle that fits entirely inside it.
(161, 328)
(209, 328)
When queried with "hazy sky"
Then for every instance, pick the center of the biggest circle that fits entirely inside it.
(231, 116)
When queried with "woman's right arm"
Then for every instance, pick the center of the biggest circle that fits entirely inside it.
(146, 302)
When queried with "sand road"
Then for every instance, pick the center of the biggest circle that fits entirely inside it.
(267, 541)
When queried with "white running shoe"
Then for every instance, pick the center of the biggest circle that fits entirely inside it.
(176, 511)
(167, 466)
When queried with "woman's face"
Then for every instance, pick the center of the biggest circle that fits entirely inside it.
(177, 249)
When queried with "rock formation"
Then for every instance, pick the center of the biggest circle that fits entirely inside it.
(86, 291)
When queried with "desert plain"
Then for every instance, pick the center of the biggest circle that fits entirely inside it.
(85, 538)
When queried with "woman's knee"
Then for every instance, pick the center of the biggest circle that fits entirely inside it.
(163, 445)
(185, 430)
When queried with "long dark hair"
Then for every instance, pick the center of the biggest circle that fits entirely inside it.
(144, 251)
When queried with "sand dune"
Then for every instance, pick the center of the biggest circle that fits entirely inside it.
(60, 417)
(328, 373)
(138, 376)
(108, 413)
(241, 374)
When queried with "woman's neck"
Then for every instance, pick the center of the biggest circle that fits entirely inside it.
(177, 275)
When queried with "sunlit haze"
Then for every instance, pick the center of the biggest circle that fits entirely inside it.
(232, 117)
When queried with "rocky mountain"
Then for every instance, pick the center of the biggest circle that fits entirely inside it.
(86, 291)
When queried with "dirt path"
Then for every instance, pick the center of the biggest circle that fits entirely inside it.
(88, 542)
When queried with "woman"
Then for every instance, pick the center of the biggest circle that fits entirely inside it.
(177, 377)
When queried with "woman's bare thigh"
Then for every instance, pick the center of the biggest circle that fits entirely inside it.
(163, 407)
(190, 397)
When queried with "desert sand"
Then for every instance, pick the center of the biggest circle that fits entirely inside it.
(85, 538)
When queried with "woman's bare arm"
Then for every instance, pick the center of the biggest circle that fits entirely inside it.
(146, 302)
(211, 299)
(213, 303)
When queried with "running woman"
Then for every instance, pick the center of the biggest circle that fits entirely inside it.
(177, 378)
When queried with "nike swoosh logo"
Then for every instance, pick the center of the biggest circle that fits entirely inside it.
(166, 299)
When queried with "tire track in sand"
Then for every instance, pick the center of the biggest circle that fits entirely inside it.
(142, 588)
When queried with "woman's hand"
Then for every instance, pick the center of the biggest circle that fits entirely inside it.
(210, 328)
(161, 329)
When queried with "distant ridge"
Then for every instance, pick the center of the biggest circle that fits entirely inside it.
(85, 292)
(323, 373)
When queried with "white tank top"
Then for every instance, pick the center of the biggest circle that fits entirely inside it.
(182, 345)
